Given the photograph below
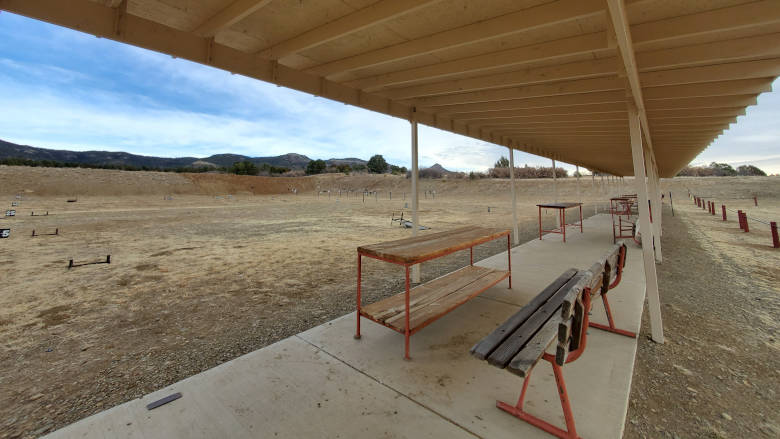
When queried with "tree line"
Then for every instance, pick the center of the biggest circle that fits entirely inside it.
(715, 169)
(121, 167)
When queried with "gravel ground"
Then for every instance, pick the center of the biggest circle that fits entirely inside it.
(716, 375)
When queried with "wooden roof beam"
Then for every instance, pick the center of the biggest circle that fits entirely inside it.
(666, 59)
(579, 86)
(714, 21)
(372, 15)
(702, 102)
(532, 18)
(691, 83)
(608, 97)
(563, 109)
(548, 50)
(228, 16)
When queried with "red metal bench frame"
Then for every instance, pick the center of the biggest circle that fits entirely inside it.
(618, 276)
(517, 409)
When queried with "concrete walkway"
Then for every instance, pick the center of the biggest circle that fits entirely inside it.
(323, 383)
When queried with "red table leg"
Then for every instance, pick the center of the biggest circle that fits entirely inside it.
(540, 223)
(357, 332)
(563, 222)
(408, 333)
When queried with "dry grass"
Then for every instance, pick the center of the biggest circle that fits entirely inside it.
(197, 280)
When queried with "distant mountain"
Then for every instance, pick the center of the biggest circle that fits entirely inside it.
(291, 160)
(440, 168)
(12, 150)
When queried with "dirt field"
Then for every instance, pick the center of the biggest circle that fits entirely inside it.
(716, 376)
(229, 264)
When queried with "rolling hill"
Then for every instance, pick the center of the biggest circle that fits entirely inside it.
(293, 161)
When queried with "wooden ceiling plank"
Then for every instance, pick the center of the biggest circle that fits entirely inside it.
(532, 18)
(608, 97)
(568, 109)
(548, 50)
(709, 22)
(702, 102)
(720, 72)
(579, 86)
(575, 70)
(715, 52)
(371, 15)
(228, 16)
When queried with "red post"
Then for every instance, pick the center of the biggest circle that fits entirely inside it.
(744, 219)
(723, 208)
(741, 222)
(775, 239)
(713, 208)
(755, 200)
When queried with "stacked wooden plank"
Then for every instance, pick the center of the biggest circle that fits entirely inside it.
(413, 250)
(430, 300)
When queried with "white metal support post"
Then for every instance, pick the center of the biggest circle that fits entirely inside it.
(514, 194)
(415, 195)
(651, 280)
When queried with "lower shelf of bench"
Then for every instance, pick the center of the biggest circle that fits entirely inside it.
(429, 301)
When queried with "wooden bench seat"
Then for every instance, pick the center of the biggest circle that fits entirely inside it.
(432, 300)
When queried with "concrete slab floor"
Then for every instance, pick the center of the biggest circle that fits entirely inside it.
(324, 383)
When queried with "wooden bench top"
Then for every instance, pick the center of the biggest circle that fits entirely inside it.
(556, 313)
(431, 300)
(559, 205)
(430, 245)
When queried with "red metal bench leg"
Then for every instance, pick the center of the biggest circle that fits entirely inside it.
(517, 410)
(509, 259)
(611, 327)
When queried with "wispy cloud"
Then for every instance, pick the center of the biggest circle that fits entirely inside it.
(58, 89)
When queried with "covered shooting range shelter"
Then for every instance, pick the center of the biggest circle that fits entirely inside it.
(622, 87)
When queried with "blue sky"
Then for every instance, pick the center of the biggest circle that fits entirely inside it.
(62, 89)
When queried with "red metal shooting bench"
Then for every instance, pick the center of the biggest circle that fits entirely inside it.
(416, 308)
(621, 209)
(561, 208)
(558, 319)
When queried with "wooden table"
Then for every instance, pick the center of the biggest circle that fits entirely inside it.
(416, 308)
(561, 208)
